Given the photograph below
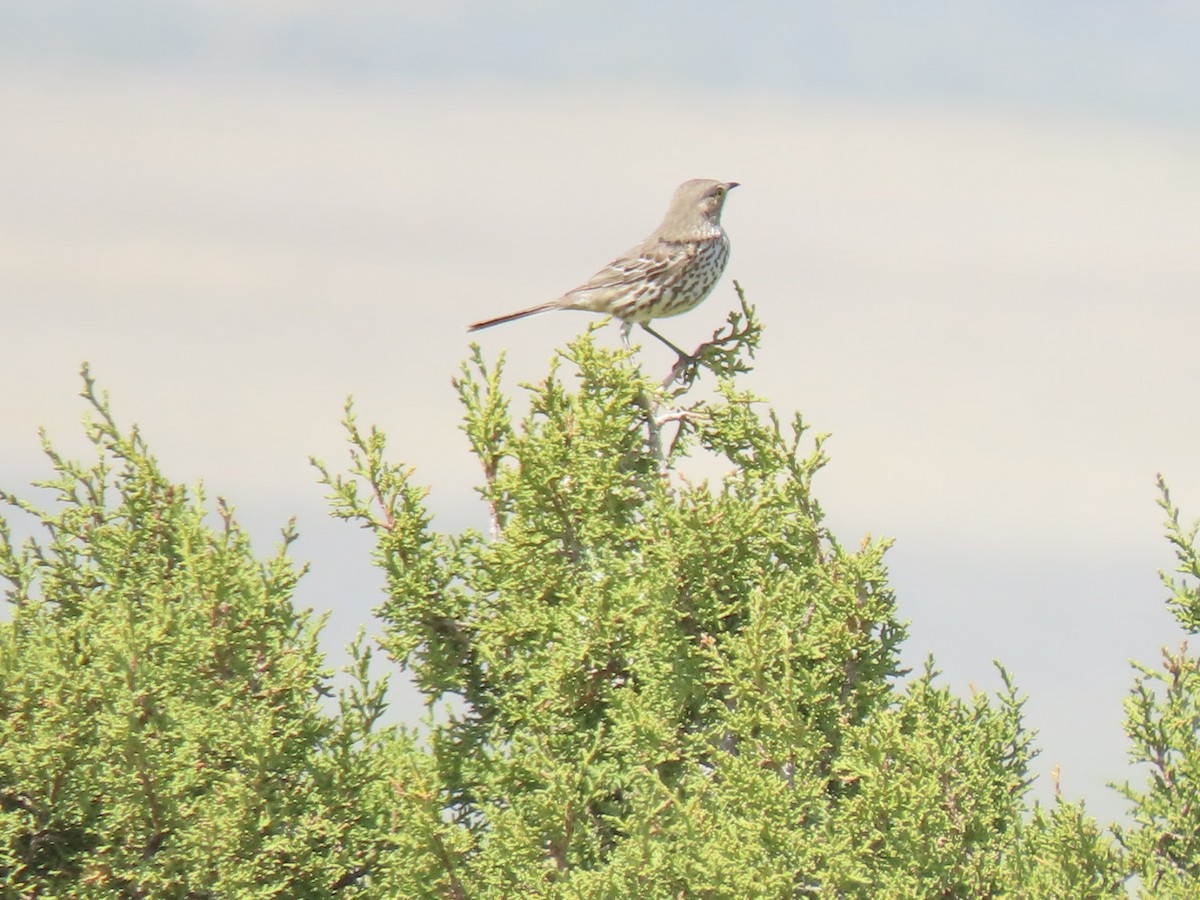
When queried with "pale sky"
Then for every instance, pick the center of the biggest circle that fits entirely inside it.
(971, 231)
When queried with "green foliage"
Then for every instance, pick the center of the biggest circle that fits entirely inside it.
(655, 687)
(1063, 854)
(1184, 601)
(1162, 719)
(639, 684)
(161, 733)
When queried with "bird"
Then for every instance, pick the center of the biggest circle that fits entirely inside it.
(669, 273)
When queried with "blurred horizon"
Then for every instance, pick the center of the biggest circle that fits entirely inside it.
(1096, 59)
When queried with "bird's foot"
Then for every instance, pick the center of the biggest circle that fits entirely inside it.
(684, 370)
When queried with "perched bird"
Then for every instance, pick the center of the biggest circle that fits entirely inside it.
(668, 273)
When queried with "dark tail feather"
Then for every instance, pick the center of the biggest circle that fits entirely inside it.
(500, 320)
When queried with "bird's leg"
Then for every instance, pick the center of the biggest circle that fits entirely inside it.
(626, 327)
(682, 365)
(678, 352)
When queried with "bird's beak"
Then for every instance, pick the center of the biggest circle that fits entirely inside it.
(730, 185)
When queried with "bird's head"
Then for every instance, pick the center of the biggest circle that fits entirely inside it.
(695, 208)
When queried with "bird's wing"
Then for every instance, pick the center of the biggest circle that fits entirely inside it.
(642, 266)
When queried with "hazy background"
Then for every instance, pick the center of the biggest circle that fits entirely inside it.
(973, 232)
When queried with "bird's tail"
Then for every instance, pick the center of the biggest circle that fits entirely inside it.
(500, 320)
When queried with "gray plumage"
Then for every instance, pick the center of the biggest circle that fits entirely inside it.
(668, 273)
